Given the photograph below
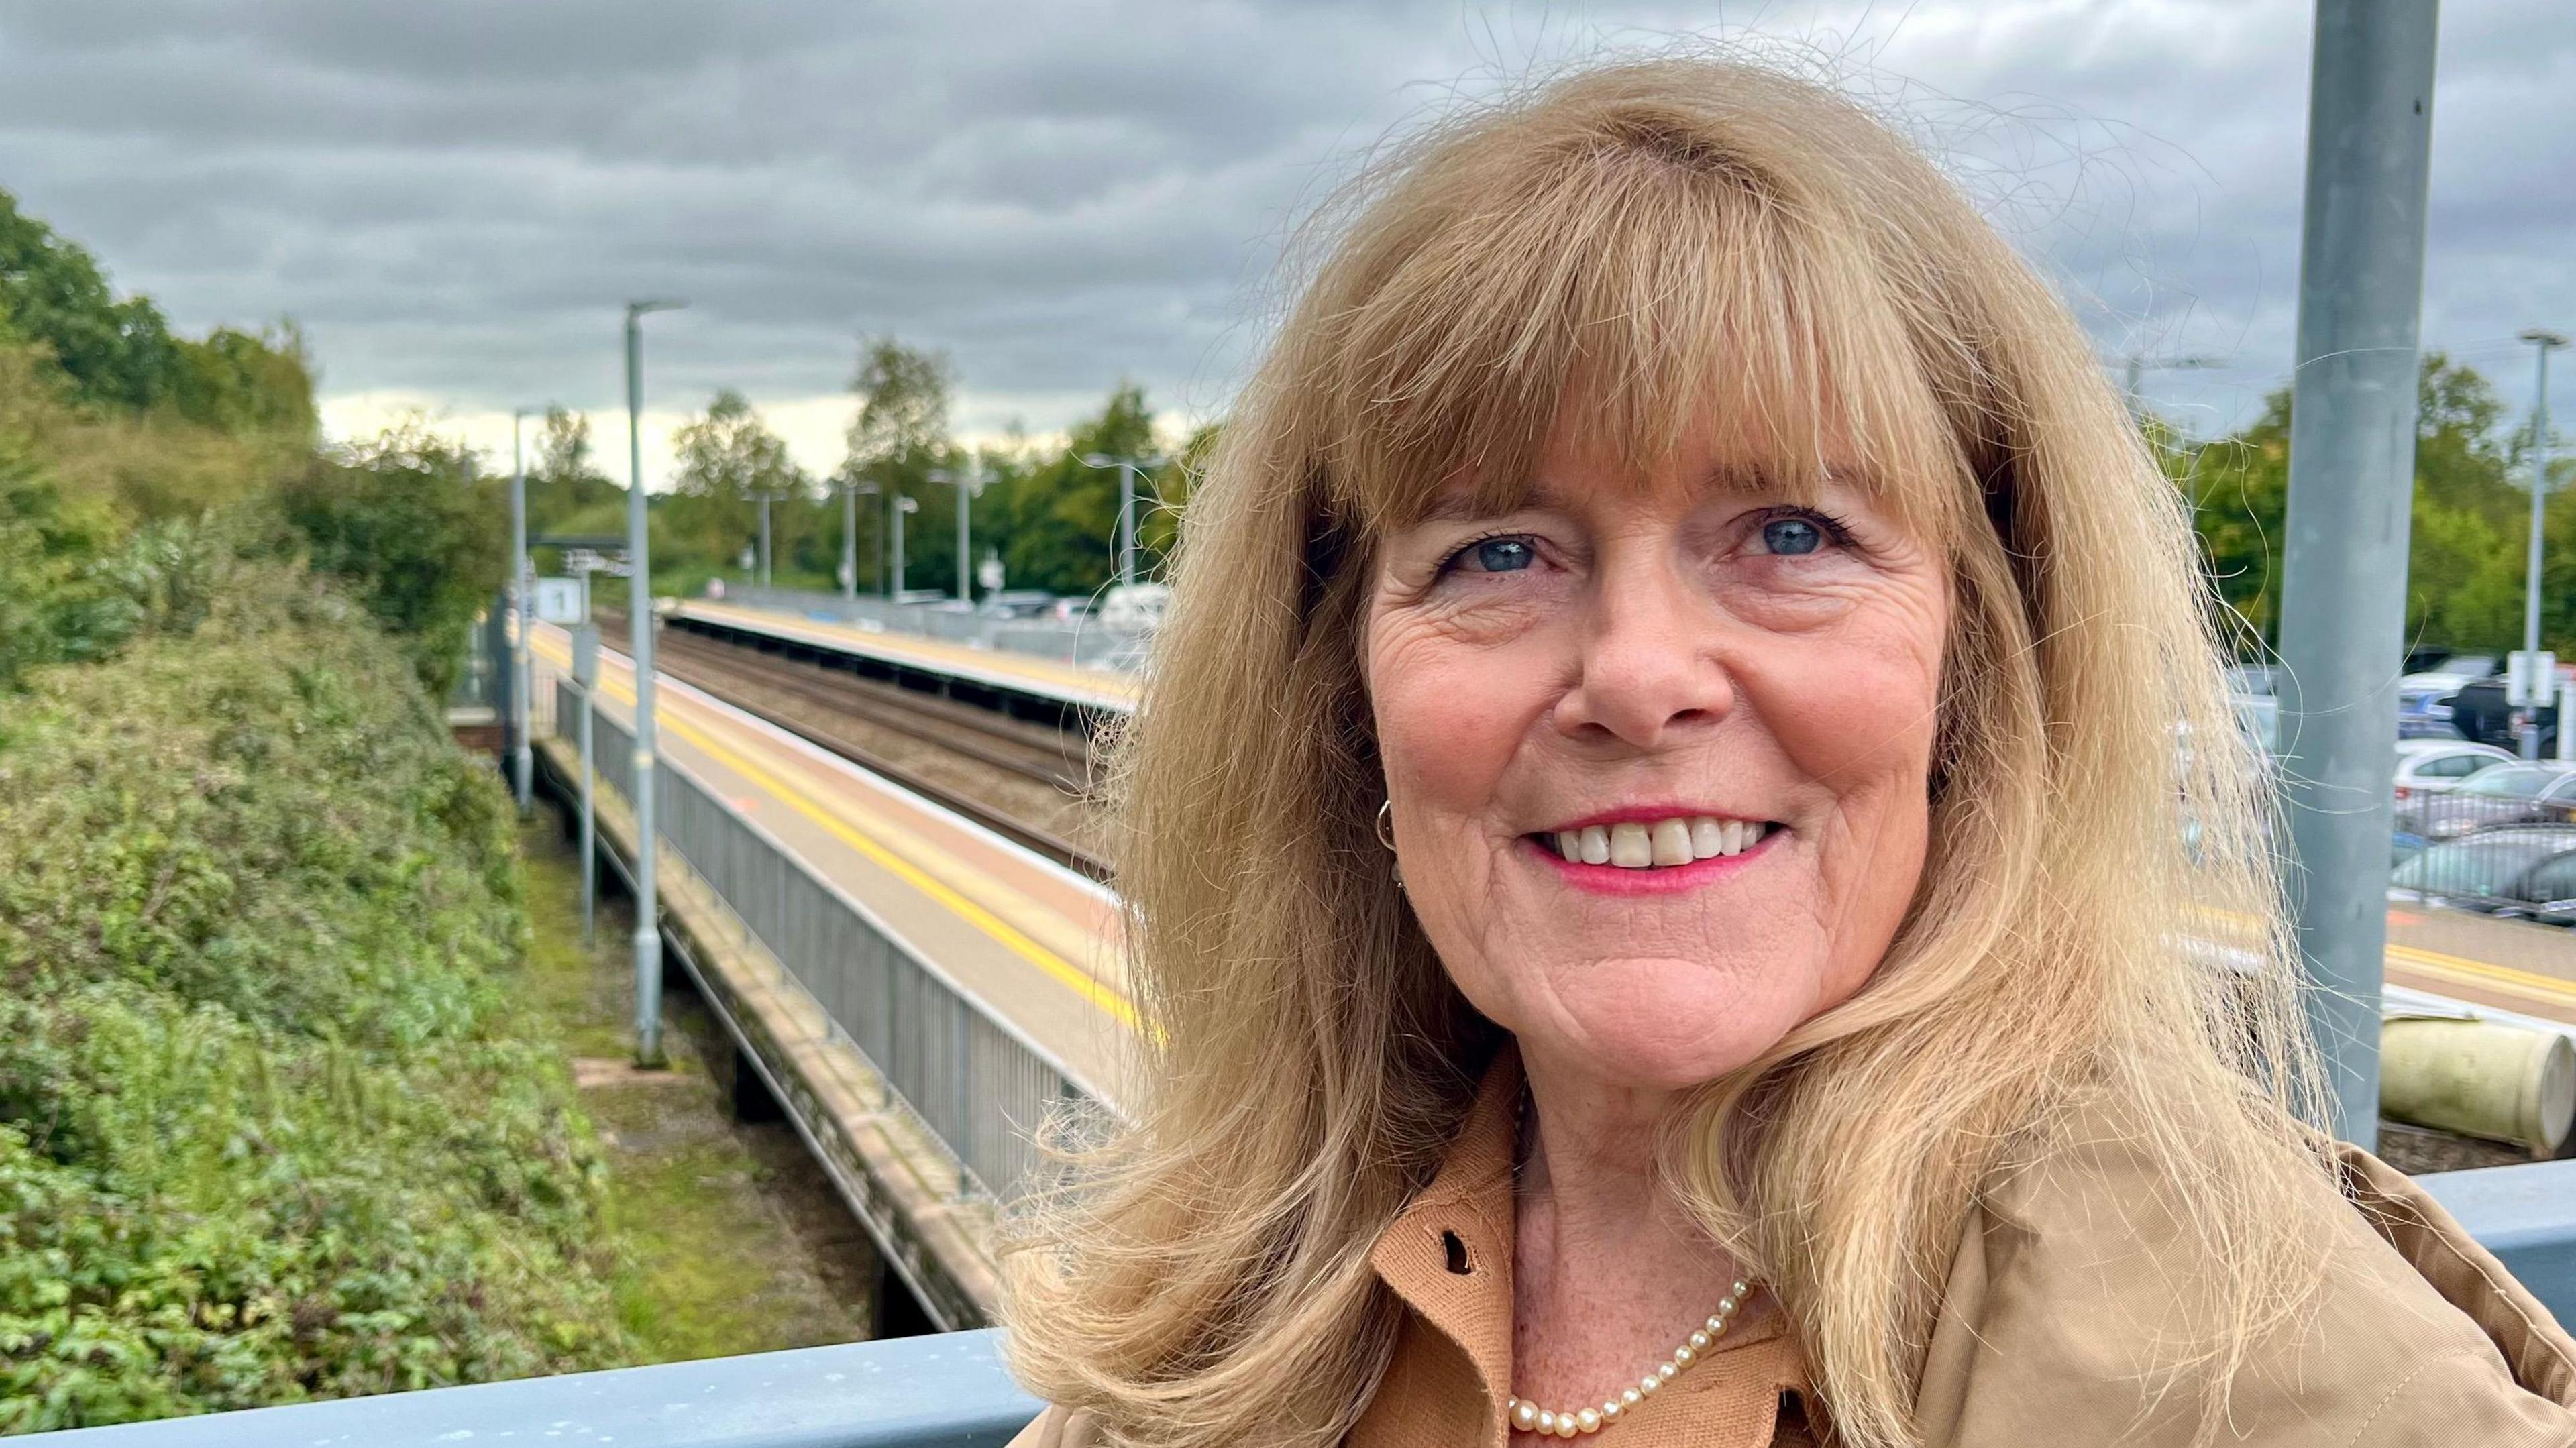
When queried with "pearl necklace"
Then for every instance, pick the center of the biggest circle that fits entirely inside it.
(1528, 1417)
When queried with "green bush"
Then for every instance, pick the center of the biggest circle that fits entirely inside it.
(269, 1127)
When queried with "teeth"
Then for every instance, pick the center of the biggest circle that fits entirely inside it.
(1640, 845)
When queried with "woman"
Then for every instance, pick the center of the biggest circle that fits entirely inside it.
(1656, 840)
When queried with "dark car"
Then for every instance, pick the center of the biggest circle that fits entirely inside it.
(2481, 716)
(2519, 870)
(2506, 794)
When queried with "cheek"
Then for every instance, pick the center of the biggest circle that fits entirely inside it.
(1452, 711)
(1856, 710)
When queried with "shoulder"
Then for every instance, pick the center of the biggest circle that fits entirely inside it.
(2085, 1277)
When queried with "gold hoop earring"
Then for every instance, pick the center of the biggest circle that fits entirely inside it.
(1386, 837)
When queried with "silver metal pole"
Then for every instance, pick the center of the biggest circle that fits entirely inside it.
(522, 759)
(2542, 342)
(585, 677)
(894, 588)
(1126, 521)
(2352, 465)
(766, 574)
(589, 832)
(639, 614)
(965, 579)
(850, 542)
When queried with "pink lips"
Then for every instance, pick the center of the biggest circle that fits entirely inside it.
(1659, 880)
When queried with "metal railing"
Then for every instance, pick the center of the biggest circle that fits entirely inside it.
(2504, 844)
(975, 1081)
(945, 1391)
(1086, 642)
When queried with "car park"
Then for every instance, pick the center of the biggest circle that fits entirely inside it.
(2424, 699)
(2503, 794)
(2438, 766)
(2527, 870)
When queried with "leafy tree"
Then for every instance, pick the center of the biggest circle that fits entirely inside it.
(565, 483)
(419, 539)
(1057, 515)
(2469, 525)
(248, 384)
(727, 457)
(898, 438)
(116, 353)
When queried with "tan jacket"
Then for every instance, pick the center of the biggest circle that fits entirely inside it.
(2417, 1336)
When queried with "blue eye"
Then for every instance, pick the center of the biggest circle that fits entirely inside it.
(1791, 535)
(1505, 555)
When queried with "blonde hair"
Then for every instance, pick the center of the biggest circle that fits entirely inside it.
(1646, 240)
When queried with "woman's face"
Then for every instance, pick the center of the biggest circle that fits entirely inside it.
(1658, 751)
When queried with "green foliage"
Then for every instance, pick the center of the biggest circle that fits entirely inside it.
(2469, 530)
(270, 1128)
(416, 536)
(1056, 516)
(120, 355)
(567, 493)
(728, 458)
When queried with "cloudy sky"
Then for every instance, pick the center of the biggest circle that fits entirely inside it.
(453, 197)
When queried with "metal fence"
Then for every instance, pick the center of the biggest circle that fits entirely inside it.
(2504, 843)
(974, 1080)
(1087, 643)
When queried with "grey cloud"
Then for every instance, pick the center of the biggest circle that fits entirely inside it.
(453, 197)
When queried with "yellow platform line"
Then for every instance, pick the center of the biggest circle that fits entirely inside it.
(2477, 972)
(1010, 937)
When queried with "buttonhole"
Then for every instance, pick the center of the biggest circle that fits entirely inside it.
(1457, 1251)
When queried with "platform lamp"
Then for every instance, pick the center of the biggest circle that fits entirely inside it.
(969, 481)
(639, 595)
(1126, 467)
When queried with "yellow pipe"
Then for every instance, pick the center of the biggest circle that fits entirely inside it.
(2479, 1078)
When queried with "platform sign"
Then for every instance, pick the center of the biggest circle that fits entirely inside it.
(559, 600)
(2530, 679)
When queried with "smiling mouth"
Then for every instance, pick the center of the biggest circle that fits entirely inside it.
(1655, 844)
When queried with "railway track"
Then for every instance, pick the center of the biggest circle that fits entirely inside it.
(818, 704)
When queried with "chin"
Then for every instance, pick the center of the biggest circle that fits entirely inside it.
(1665, 1025)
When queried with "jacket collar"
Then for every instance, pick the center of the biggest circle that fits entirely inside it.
(1448, 1256)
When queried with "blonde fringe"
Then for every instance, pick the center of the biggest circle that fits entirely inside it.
(1637, 242)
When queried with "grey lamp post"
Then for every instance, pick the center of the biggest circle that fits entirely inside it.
(851, 489)
(639, 617)
(522, 759)
(1126, 505)
(969, 481)
(2352, 469)
(762, 498)
(2543, 342)
(898, 504)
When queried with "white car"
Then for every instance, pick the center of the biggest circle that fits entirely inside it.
(2438, 766)
(1135, 607)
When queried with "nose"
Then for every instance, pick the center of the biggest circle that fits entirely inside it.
(1652, 662)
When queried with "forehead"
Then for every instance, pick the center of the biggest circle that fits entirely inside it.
(1718, 451)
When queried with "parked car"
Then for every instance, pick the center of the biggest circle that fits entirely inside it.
(2521, 870)
(2424, 709)
(2478, 712)
(1016, 603)
(2438, 766)
(2505, 794)
(1134, 607)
